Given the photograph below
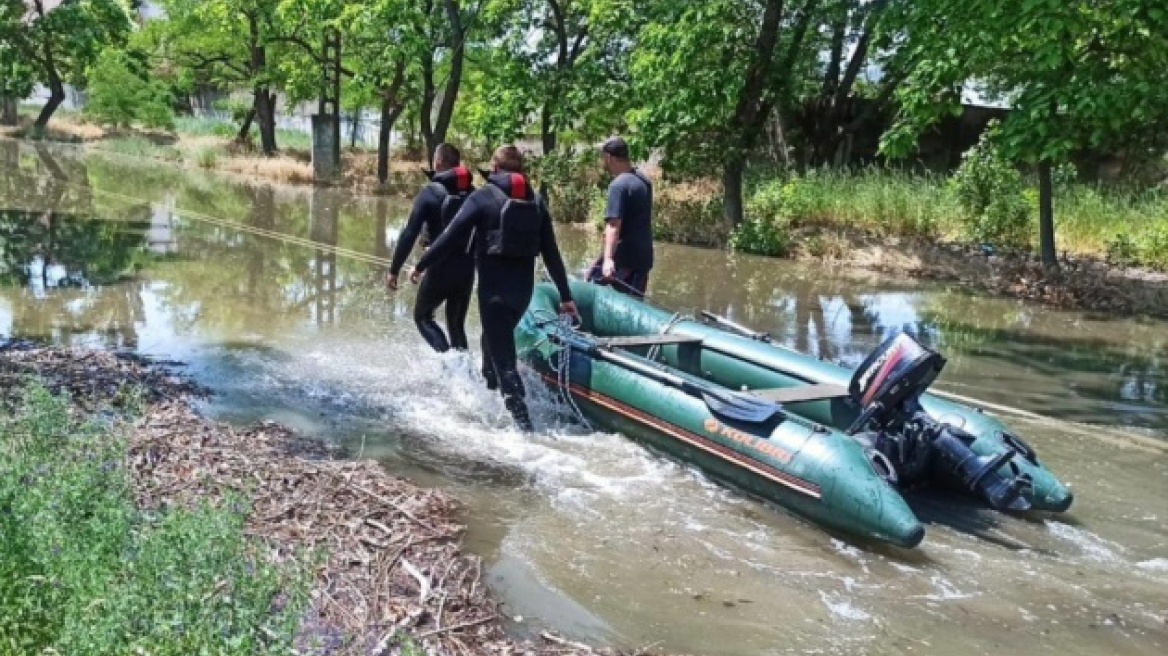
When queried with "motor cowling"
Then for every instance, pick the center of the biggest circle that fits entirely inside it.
(892, 378)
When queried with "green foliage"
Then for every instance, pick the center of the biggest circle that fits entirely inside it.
(1148, 248)
(761, 236)
(83, 571)
(60, 44)
(1122, 250)
(137, 146)
(207, 158)
(989, 189)
(689, 214)
(573, 181)
(119, 96)
(203, 127)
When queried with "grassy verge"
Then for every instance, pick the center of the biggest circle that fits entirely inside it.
(788, 213)
(210, 144)
(84, 571)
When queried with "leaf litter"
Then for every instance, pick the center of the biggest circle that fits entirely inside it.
(388, 569)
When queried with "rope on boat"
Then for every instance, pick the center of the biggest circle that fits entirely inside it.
(560, 359)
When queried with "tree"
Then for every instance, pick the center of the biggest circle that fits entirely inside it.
(17, 79)
(710, 74)
(839, 105)
(1077, 73)
(446, 30)
(383, 40)
(59, 43)
(120, 96)
(229, 44)
(565, 59)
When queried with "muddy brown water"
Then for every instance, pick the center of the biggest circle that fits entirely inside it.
(272, 297)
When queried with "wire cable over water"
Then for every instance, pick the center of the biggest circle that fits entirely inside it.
(1112, 435)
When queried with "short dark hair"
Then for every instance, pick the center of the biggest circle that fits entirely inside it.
(616, 147)
(449, 154)
(508, 158)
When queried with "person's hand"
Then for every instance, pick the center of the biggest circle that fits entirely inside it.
(416, 275)
(609, 268)
(391, 282)
(569, 308)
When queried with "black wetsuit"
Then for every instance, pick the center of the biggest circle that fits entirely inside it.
(505, 285)
(452, 282)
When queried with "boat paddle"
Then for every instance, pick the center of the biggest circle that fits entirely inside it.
(720, 401)
(736, 327)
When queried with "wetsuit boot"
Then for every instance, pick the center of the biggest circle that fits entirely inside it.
(513, 398)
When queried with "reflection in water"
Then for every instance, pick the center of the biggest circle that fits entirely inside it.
(593, 532)
(325, 208)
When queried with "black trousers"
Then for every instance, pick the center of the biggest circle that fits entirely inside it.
(450, 284)
(500, 366)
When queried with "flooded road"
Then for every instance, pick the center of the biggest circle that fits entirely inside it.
(273, 297)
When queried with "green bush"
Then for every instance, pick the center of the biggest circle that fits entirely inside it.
(990, 192)
(83, 571)
(207, 158)
(1122, 250)
(761, 236)
(140, 147)
(573, 180)
(1152, 247)
(120, 97)
(690, 214)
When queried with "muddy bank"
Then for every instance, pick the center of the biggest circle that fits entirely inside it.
(390, 576)
(1080, 283)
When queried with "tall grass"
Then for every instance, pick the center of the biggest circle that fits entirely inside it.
(83, 571)
(137, 146)
(197, 126)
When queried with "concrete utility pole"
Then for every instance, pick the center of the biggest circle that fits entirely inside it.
(326, 123)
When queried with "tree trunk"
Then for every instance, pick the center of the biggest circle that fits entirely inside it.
(454, 81)
(546, 130)
(353, 130)
(265, 108)
(8, 110)
(1046, 215)
(732, 180)
(426, 114)
(245, 127)
(390, 111)
(56, 97)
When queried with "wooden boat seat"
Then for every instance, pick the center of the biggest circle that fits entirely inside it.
(819, 392)
(647, 340)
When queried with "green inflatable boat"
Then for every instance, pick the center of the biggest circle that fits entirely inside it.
(833, 445)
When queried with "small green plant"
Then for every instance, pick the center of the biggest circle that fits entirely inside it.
(140, 147)
(689, 214)
(207, 158)
(1153, 247)
(761, 237)
(990, 192)
(84, 571)
(121, 97)
(1122, 249)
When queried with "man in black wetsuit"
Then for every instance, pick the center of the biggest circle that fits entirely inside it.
(510, 227)
(628, 235)
(452, 282)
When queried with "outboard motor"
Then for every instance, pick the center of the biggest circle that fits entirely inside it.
(887, 388)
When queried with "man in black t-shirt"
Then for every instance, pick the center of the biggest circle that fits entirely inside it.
(628, 235)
